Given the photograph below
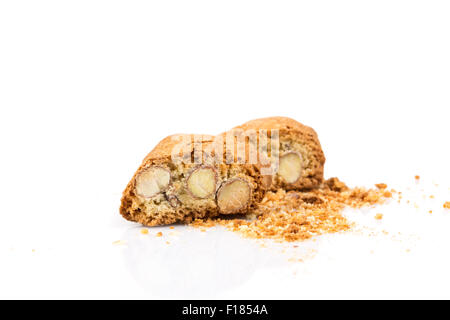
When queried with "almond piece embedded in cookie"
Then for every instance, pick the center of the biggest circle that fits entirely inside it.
(201, 183)
(233, 196)
(290, 167)
(152, 181)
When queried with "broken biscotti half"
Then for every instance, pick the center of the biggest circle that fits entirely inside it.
(188, 177)
(180, 180)
(299, 159)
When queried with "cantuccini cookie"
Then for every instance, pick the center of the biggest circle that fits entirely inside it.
(300, 157)
(180, 180)
(188, 177)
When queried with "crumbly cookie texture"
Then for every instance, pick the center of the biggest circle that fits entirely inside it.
(164, 191)
(301, 156)
(296, 216)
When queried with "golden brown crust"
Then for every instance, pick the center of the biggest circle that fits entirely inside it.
(280, 123)
(163, 150)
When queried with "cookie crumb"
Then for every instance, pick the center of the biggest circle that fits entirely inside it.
(159, 234)
(335, 184)
(379, 216)
(417, 177)
(387, 194)
(381, 185)
(447, 205)
(144, 231)
(172, 227)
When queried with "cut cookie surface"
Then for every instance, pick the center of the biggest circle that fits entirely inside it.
(187, 177)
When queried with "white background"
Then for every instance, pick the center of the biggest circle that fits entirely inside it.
(87, 88)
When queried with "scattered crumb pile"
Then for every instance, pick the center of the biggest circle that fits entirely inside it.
(295, 216)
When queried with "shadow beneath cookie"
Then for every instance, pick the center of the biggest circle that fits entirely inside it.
(185, 262)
